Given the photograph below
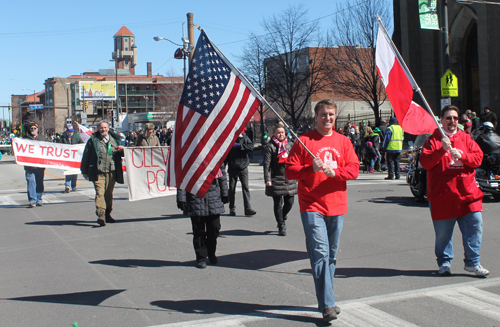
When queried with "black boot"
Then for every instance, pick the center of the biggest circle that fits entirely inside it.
(109, 219)
(282, 229)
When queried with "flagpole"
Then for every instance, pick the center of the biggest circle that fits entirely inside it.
(414, 84)
(250, 85)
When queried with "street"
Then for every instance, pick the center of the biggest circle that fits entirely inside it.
(57, 267)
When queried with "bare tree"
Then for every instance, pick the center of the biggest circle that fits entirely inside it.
(294, 71)
(252, 63)
(353, 71)
(168, 96)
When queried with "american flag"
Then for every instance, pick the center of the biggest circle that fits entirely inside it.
(215, 106)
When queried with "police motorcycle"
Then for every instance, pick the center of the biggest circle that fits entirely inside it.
(488, 174)
(417, 175)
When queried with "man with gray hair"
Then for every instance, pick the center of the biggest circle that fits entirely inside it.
(102, 165)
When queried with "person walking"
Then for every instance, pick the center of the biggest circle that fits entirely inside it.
(278, 186)
(393, 145)
(70, 137)
(322, 194)
(237, 164)
(102, 165)
(34, 175)
(205, 217)
(453, 195)
(148, 138)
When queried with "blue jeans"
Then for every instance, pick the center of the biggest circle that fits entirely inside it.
(471, 226)
(34, 178)
(322, 242)
(70, 181)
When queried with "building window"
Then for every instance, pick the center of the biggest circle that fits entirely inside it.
(133, 99)
(133, 87)
(147, 87)
(126, 40)
(137, 88)
(126, 49)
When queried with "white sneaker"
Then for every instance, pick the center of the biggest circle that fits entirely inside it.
(67, 189)
(479, 270)
(445, 269)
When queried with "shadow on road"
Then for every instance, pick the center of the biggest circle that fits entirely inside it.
(92, 223)
(242, 232)
(385, 272)
(405, 201)
(248, 260)
(93, 298)
(237, 308)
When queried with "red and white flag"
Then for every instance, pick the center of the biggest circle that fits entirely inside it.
(215, 106)
(84, 132)
(399, 87)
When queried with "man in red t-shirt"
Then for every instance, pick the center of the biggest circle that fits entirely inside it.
(452, 192)
(322, 195)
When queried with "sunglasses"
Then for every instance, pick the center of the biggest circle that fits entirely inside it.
(33, 127)
(451, 118)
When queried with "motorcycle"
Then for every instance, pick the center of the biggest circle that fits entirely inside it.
(488, 175)
(417, 175)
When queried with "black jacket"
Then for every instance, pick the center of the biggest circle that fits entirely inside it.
(489, 142)
(274, 172)
(211, 204)
(74, 139)
(90, 156)
(237, 159)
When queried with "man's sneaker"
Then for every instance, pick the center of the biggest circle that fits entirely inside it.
(479, 270)
(74, 189)
(39, 203)
(232, 213)
(32, 204)
(67, 189)
(389, 177)
(329, 314)
(445, 269)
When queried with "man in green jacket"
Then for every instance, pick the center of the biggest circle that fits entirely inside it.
(102, 165)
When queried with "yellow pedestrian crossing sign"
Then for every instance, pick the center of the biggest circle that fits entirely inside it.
(449, 84)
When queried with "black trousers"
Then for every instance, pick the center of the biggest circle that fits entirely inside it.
(242, 174)
(205, 232)
(393, 160)
(282, 206)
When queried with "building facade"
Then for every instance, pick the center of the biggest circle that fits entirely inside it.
(474, 44)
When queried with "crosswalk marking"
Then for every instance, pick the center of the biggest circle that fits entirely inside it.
(51, 198)
(360, 312)
(8, 201)
(472, 299)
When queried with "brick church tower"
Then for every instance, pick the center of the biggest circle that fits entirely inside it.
(125, 53)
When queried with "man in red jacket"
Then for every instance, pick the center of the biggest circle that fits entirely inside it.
(323, 197)
(452, 192)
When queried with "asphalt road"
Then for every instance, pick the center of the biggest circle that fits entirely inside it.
(57, 267)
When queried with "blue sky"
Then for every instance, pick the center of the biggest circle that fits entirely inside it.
(61, 38)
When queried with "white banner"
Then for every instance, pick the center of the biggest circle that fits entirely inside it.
(146, 172)
(48, 155)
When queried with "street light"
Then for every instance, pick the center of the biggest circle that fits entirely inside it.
(185, 42)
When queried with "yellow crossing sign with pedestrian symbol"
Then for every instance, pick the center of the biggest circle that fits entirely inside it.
(449, 84)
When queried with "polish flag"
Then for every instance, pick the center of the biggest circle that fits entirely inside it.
(399, 86)
(84, 132)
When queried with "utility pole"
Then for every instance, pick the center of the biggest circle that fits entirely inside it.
(445, 40)
(190, 34)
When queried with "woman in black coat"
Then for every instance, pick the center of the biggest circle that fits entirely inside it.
(281, 189)
(205, 217)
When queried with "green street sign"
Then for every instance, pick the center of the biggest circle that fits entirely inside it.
(427, 11)
(449, 84)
